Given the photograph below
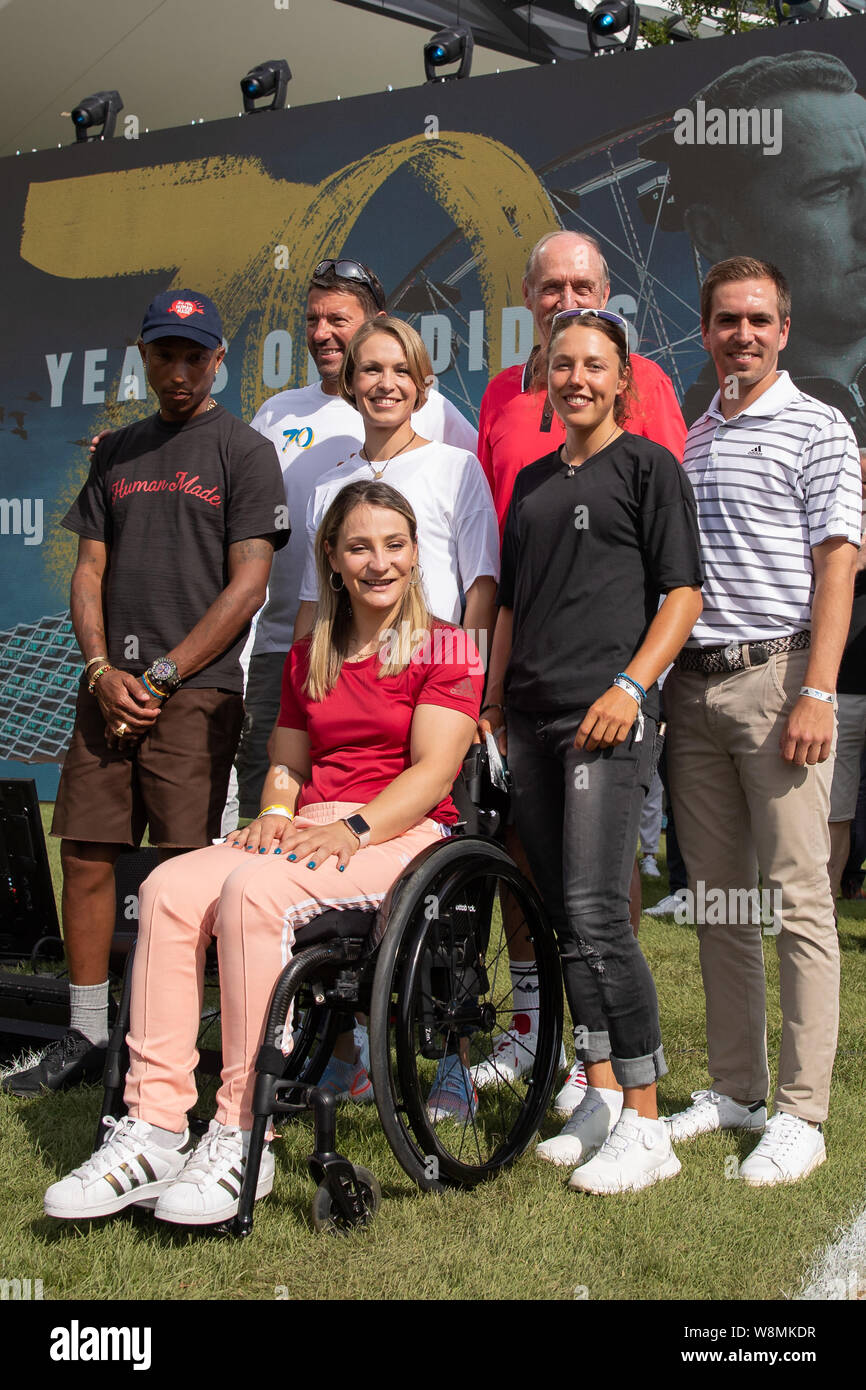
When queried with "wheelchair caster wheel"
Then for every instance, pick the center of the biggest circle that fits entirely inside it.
(326, 1215)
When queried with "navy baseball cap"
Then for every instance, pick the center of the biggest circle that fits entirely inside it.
(183, 314)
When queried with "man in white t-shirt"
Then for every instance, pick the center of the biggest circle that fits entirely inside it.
(313, 429)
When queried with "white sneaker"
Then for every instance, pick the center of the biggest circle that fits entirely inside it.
(668, 906)
(636, 1154)
(209, 1187)
(714, 1111)
(585, 1132)
(513, 1055)
(789, 1150)
(125, 1171)
(649, 868)
(569, 1098)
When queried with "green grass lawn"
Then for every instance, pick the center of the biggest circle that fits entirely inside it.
(700, 1236)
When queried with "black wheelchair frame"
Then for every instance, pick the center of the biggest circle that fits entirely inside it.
(431, 970)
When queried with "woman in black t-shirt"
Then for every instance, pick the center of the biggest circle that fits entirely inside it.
(596, 533)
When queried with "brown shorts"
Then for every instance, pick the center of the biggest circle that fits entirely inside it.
(174, 780)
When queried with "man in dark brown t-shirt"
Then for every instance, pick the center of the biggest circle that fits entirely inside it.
(177, 524)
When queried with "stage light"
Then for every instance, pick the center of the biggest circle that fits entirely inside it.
(798, 11)
(274, 77)
(609, 20)
(100, 109)
(448, 46)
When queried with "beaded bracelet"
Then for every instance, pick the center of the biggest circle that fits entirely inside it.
(100, 671)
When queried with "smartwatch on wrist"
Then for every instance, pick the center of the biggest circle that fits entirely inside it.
(359, 828)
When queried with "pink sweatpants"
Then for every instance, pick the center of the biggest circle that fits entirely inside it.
(253, 904)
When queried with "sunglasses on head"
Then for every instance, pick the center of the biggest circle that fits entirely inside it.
(352, 270)
(609, 317)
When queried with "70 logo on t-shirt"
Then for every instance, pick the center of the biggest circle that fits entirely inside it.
(302, 437)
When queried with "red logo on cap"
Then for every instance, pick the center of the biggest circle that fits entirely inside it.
(184, 307)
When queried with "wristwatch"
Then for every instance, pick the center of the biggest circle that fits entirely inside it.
(162, 674)
(359, 828)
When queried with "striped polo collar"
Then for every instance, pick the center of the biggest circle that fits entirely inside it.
(772, 402)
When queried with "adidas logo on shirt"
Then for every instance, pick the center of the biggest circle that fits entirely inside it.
(756, 452)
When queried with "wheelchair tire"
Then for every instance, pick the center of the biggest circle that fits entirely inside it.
(442, 975)
(326, 1216)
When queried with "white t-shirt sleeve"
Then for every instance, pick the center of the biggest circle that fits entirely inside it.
(457, 430)
(309, 592)
(442, 422)
(476, 526)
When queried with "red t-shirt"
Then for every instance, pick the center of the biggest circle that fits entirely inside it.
(360, 733)
(510, 434)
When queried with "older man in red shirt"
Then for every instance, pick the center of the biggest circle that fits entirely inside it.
(566, 270)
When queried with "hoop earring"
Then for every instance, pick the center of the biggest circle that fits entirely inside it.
(337, 588)
(416, 574)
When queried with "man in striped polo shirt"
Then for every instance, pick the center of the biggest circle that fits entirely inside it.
(752, 725)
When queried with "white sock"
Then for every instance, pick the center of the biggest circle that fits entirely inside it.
(88, 1012)
(524, 985)
(167, 1138)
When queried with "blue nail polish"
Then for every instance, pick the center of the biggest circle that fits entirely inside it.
(312, 864)
(249, 847)
(262, 849)
(293, 857)
(235, 845)
(341, 867)
(278, 850)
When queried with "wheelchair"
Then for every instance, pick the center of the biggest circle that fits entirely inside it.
(431, 970)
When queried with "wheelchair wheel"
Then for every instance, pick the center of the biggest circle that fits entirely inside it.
(326, 1215)
(443, 993)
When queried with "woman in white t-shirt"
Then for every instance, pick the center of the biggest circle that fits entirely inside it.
(386, 375)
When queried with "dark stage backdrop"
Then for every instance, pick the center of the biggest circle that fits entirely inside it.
(443, 190)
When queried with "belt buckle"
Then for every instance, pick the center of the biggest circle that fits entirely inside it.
(732, 658)
(759, 653)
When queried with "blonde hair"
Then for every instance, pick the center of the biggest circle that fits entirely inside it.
(330, 639)
(416, 354)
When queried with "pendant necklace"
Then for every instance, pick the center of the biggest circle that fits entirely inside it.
(573, 467)
(377, 473)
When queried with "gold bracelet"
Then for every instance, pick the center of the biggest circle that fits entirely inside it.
(100, 671)
(280, 810)
(94, 661)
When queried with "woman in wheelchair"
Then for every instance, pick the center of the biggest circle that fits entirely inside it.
(374, 722)
(596, 533)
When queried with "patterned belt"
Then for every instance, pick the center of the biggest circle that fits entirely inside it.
(710, 660)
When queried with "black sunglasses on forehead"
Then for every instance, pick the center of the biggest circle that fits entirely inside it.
(352, 270)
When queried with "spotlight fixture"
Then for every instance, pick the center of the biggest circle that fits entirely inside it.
(272, 77)
(611, 19)
(448, 46)
(799, 11)
(101, 109)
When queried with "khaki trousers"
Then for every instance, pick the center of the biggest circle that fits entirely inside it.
(741, 808)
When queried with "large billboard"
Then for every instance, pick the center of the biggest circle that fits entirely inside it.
(672, 158)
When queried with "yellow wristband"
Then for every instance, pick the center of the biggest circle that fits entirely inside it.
(277, 810)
